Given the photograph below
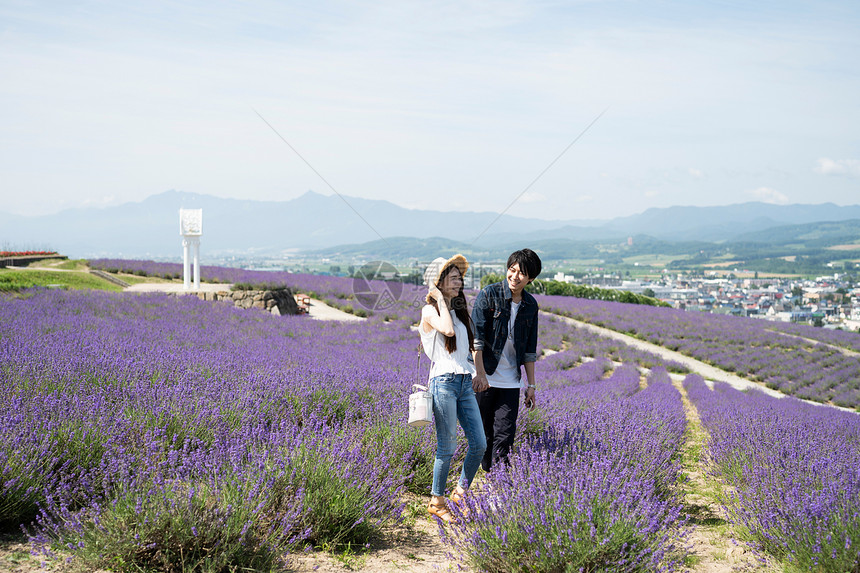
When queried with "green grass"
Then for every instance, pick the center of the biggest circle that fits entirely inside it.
(17, 280)
(66, 265)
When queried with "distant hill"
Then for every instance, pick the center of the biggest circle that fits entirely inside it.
(819, 234)
(724, 223)
(312, 221)
(320, 223)
(405, 248)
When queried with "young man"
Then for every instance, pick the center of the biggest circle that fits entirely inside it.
(505, 318)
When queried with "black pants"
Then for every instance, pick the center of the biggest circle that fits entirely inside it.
(499, 409)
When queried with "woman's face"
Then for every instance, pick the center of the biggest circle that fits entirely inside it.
(452, 283)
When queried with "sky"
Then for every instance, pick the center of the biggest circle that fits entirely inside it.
(554, 110)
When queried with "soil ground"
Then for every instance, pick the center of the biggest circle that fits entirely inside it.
(712, 545)
(413, 546)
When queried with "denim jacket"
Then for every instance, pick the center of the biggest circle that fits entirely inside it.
(490, 316)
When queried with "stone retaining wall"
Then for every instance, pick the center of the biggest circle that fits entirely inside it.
(278, 302)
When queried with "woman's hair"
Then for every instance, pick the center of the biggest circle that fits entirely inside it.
(458, 305)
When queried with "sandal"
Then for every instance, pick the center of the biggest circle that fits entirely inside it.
(440, 511)
(460, 500)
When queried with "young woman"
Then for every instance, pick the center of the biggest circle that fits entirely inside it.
(447, 338)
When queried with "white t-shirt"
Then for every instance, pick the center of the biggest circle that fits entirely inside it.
(445, 362)
(507, 374)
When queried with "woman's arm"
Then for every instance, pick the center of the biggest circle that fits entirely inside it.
(478, 319)
(441, 321)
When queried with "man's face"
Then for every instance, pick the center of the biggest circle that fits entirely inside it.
(517, 279)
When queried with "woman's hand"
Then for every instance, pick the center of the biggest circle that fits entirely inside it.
(435, 293)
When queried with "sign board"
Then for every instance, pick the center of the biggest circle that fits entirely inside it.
(190, 222)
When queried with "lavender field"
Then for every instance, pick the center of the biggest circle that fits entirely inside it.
(169, 433)
(801, 361)
(155, 432)
(793, 471)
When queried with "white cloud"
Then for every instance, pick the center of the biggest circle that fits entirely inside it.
(697, 173)
(828, 166)
(651, 194)
(769, 195)
(583, 199)
(532, 197)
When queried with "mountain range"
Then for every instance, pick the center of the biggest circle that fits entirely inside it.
(332, 224)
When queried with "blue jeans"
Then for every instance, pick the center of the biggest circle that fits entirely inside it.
(454, 399)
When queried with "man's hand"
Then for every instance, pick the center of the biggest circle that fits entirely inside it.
(529, 399)
(479, 383)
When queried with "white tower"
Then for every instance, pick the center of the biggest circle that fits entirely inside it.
(191, 228)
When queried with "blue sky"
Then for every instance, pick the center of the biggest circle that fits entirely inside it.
(437, 105)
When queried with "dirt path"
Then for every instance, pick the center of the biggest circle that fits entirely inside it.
(15, 555)
(842, 349)
(412, 547)
(177, 288)
(712, 547)
(321, 311)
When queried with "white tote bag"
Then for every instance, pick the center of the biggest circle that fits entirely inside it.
(420, 400)
(420, 407)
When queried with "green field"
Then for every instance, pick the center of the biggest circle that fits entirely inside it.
(15, 280)
(67, 265)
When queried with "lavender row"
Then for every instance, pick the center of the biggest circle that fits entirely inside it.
(844, 338)
(747, 347)
(591, 491)
(792, 472)
(576, 342)
(173, 415)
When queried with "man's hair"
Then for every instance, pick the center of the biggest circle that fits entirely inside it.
(528, 261)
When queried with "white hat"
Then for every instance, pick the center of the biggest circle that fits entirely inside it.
(434, 270)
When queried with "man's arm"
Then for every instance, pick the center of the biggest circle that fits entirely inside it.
(479, 382)
(529, 399)
(531, 341)
(529, 362)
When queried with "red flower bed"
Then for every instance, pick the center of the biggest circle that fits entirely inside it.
(25, 253)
